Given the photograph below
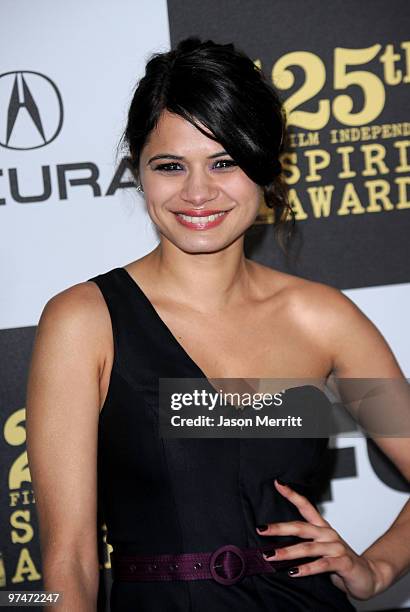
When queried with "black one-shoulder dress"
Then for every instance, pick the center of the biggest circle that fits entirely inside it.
(162, 495)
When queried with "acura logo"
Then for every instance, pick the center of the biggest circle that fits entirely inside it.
(31, 110)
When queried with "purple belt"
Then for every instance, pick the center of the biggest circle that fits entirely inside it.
(226, 565)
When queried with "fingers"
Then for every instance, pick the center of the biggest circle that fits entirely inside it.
(299, 528)
(306, 509)
(328, 551)
(307, 549)
(341, 565)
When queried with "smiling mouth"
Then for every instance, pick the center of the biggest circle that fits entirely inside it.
(199, 220)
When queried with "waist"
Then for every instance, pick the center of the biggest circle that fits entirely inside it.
(226, 565)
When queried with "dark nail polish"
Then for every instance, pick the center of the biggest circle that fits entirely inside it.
(262, 527)
(282, 482)
(269, 553)
(293, 570)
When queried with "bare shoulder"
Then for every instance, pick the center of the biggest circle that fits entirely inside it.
(332, 320)
(318, 303)
(79, 299)
(305, 297)
(78, 313)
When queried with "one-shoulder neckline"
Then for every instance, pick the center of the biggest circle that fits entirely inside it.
(160, 320)
(134, 285)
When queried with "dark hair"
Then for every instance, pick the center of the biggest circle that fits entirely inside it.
(220, 87)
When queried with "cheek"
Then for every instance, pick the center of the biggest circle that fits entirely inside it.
(244, 191)
(159, 194)
(159, 189)
(241, 185)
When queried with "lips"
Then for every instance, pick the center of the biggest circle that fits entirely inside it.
(193, 212)
(201, 219)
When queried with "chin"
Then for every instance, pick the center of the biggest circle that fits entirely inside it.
(207, 246)
(194, 243)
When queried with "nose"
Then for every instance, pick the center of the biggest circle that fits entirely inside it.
(198, 188)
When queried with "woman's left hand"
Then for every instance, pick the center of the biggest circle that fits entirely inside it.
(352, 573)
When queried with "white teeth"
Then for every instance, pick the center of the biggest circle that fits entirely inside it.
(200, 219)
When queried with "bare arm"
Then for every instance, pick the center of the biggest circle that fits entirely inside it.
(360, 351)
(63, 401)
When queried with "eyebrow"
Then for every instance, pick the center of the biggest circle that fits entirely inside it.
(181, 157)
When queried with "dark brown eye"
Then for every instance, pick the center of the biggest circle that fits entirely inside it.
(170, 167)
(226, 163)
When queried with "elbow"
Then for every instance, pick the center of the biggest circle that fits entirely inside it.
(75, 578)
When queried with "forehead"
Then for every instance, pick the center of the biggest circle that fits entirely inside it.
(174, 134)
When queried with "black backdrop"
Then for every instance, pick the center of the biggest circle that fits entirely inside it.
(360, 248)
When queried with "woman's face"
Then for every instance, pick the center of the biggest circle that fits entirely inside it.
(196, 195)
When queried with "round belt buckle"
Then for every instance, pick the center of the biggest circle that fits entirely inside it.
(216, 562)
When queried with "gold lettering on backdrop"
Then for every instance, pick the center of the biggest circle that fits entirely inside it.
(403, 182)
(347, 172)
(318, 159)
(378, 198)
(304, 139)
(360, 81)
(371, 85)
(350, 202)
(24, 497)
(21, 527)
(14, 430)
(370, 132)
(321, 199)
(15, 435)
(296, 205)
(315, 78)
(107, 549)
(291, 170)
(347, 70)
(406, 46)
(20, 521)
(22, 531)
(392, 75)
(19, 471)
(311, 165)
(402, 146)
(378, 191)
(25, 569)
(3, 580)
(374, 155)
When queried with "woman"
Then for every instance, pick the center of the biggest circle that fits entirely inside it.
(188, 519)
